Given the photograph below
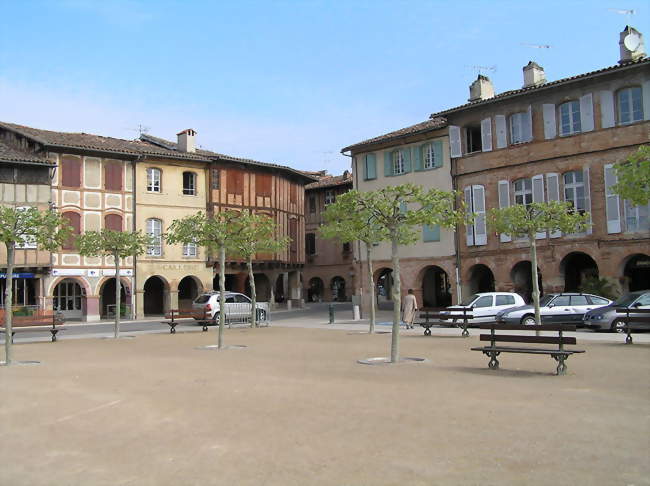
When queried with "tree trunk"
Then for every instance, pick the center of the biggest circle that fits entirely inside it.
(9, 295)
(371, 290)
(118, 296)
(251, 277)
(222, 293)
(397, 300)
(533, 257)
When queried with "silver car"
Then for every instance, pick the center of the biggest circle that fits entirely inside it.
(238, 307)
(607, 319)
(554, 308)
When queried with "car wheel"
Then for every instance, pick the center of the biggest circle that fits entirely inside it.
(260, 315)
(617, 326)
(528, 320)
(215, 319)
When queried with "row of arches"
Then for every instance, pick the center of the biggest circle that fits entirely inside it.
(316, 290)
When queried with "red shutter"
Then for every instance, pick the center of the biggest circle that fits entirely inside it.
(113, 176)
(74, 221)
(113, 222)
(70, 171)
(235, 181)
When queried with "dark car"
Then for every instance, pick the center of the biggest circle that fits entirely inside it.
(563, 308)
(606, 318)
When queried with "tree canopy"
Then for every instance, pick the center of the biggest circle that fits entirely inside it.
(634, 177)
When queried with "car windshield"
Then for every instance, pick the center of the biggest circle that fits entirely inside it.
(469, 299)
(545, 300)
(626, 300)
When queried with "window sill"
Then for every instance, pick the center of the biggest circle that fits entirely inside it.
(430, 168)
(188, 195)
(430, 241)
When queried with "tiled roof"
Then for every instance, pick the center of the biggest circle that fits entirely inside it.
(425, 126)
(10, 154)
(331, 181)
(529, 89)
(215, 155)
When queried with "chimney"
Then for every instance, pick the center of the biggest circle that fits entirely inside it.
(481, 89)
(630, 42)
(533, 75)
(186, 141)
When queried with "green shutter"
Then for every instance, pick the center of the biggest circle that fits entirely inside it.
(388, 164)
(371, 166)
(365, 168)
(402, 207)
(406, 153)
(437, 151)
(417, 152)
(431, 233)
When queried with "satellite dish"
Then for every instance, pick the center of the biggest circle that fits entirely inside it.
(632, 41)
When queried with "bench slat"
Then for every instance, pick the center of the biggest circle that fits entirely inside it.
(519, 327)
(506, 349)
(512, 338)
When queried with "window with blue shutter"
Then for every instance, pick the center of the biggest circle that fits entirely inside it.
(370, 169)
(437, 151)
(431, 233)
(388, 163)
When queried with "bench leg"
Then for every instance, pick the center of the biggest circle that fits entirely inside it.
(465, 332)
(54, 331)
(494, 362)
(172, 329)
(628, 338)
(561, 366)
(427, 331)
(205, 327)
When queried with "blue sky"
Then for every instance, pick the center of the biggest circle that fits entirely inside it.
(290, 82)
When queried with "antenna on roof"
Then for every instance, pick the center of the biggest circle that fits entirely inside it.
(480, 69)
(536, 46)
(141, 129)
(622, 11)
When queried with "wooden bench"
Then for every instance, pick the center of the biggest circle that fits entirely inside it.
(174, 315)
(442, 318)
(42, 321)
(558, 353)
(640, 316)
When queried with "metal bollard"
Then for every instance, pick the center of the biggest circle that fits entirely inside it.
(331, 311)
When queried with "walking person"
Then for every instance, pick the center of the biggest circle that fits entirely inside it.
(409, 308)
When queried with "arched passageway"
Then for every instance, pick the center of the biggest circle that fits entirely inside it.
(315, 289)
(154, 296)
(279, 288)
(188, 290)
(522, 280)
(337, 286)
(637, 272)
(576, 268)
(436, 290)
(69, 298)
(481, 279)
(262, 287)
(107, 298)
(384, 288)
(230, 281)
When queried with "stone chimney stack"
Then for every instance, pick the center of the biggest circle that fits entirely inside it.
(533, 75)
(631, 45)
(481, 89)
(186, 140)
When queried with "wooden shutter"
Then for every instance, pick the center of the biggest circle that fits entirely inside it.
(388, 163)
(431, 233)
(74, 221)
(550, 130)
(293, 234)
(527, 128)
(504, 202)
(263, 184)
(406, 154)
(586, 113)
(418, 157)
(607, 116)
(235, 181)
(454, 142)
(478, 202)
(645, 95)
(437, 153)
(371, 166)
(585, 178)
(612, 205)
(502, 138)
(113, 222)
(486, 134)
(469, 228)
(113, 176)
(553, 194)
(538, 197)
(70, 171)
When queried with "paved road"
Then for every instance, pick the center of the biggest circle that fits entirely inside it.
(315, 315)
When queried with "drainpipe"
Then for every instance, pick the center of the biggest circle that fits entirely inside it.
(134, 225)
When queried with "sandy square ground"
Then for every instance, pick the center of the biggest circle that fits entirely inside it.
(294, 408)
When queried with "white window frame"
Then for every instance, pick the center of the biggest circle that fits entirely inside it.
(329, 197)
(190, 250)
(154, 230)
(516, 127)
(524, 192)
(634, 214)
(190, 189)
(628, 94)
(397, 160)
(570, 109)
(428, 156)
(571, 190)
(154, 176)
